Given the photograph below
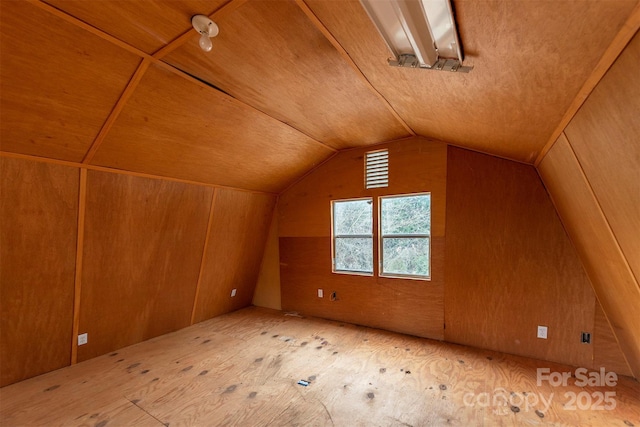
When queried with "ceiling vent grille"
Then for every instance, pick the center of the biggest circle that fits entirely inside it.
(376, 169)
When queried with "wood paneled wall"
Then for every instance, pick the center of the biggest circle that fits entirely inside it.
(38, 207)
(504, 266)
(153, 256)
(409, 306)
(143, 242)
(606, 350)
(232, 259)
(267, 293)
(593, 175)
(510, 265)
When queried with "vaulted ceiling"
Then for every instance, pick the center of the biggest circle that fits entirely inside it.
(123, 84)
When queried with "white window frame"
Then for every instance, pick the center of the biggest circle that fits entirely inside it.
(381, 238)
(335, 236)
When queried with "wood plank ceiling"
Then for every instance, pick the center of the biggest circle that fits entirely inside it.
(123, 84)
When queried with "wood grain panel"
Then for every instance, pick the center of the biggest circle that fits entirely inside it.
(236, 244)
(530, 59)
(267, 293)
(626, 33)
(147, 25)
(195, 132)
(142, 250)
(58, 85)
(241, 369)
(510, 265)
(77, 280)
(304, 221)
(415, 165)
(409, 306)
(612, 279)
(606, 351)
(270, 56)
(605, 135)
(38, 208)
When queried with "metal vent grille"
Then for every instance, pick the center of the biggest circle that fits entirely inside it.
(376, 169)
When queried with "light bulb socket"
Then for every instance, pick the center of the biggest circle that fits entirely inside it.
(203, 25)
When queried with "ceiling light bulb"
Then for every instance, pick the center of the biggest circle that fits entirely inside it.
(205, 43)
(206, 28)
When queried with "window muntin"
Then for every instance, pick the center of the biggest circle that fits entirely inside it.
(405, 231)
(352, 231)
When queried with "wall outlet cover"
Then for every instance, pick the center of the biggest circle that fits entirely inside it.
(320, 293)
(542, 332)
(83, 339)
(233, 292)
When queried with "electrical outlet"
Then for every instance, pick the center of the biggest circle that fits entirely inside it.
(585, 338)
(233, 292)
(320, 293)
(542, 332)
(82, 339)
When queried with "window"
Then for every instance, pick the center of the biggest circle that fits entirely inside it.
(405, 229)
(404, 236)
(352, 231)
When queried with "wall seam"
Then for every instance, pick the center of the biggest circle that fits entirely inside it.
(82, 203)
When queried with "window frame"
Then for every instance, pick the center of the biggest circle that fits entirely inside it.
(355, 236)
(381, 238)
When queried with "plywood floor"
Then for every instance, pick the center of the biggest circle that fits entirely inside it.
(243, 368)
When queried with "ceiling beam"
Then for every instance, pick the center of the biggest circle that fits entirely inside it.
(624, 36)
(117, 109)
(336, 44)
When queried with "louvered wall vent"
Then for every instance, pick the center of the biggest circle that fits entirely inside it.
(376, 169)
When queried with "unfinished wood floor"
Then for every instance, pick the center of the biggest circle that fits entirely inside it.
(243, 368)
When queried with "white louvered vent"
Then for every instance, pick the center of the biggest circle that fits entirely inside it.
(376, 169)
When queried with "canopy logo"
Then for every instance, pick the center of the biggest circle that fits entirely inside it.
(595, 401)
(503, 402)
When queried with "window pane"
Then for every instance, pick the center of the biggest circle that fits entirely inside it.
(354, 254)
(406, 215)
(405, 256)
(353, 217)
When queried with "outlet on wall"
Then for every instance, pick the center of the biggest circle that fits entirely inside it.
(233, 292)
(320, 293)
(542, 332)
(83, 338)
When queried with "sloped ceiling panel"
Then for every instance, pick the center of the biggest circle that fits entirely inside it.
(612, 279)
(147, 25)
(269, 55)
(197, 133)
(325, 84)
(605, 136)
(593, 174)
(530, 59)
(58, 85)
